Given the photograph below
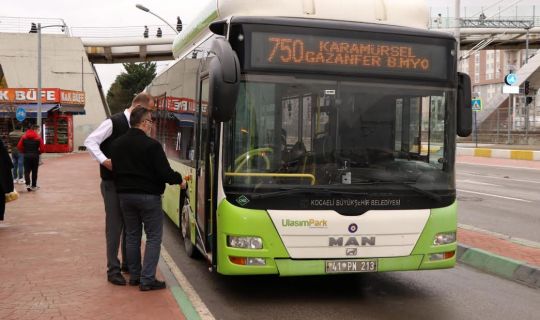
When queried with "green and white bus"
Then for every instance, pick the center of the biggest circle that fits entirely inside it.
(319, 137)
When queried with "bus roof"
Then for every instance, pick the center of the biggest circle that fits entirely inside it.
(410, 13)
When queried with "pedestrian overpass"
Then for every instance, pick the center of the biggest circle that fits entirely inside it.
(128, 50)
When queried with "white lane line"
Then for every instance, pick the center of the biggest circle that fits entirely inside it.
(498, 166)
(525, 242)
(477, 182)
(196, 301)
(500, 178)
(494, 195)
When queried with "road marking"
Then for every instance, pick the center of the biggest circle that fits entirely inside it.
(493, 165)
(478, 182)
(494, 195)
(521, 241)
(192, 295)
(501, 178)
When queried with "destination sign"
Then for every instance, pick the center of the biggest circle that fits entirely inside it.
(348, 56)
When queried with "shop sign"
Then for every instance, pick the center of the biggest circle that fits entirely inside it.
(72, 97)
(28, 95)
(48, 95)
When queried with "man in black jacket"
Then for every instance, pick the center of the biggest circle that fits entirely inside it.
(99, 144)
(141, 170)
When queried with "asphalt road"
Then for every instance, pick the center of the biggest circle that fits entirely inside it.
(459, 293)
(500, 199)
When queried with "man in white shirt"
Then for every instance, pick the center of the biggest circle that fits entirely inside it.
(98, 144)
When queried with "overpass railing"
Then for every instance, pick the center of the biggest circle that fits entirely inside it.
(444, 17)
(24, 24)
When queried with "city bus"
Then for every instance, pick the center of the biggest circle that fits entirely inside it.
(317, 137)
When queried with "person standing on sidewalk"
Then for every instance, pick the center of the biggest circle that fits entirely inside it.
(32, 146)
(98, 144)
(6, 179)
(16, 156)
(141, 171)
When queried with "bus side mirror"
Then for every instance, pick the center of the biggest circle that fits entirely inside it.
(464, 107)
(224, 70)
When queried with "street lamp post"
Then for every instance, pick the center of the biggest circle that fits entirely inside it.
(38, 95)
(145, 9)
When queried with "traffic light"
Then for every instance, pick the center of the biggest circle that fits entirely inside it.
(528, 100)
(526, 88)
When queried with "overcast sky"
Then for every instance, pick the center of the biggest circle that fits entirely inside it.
(113, 13)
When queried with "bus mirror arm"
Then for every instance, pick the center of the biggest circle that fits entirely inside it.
(224, 71)
(464, 107)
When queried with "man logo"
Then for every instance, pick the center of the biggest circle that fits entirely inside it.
(359, 241)
(353, 228)
(351, 251)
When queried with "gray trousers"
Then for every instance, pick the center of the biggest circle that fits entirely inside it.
(114, 225)
(142, 209)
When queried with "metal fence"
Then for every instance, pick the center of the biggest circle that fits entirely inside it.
(509, 124)
(444, 17)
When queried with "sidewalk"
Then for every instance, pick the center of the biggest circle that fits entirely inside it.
(52, 253)
(503, 151)
(499, 255)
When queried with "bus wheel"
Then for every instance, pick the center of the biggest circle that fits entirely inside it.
(186, 231)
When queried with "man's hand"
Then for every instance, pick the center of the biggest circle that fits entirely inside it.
(183, 185)
(107, 164)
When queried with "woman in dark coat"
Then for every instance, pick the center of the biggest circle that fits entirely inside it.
(6, 179)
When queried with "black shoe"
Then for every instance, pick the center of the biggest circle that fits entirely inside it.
(155, 285)
(124, 269)
(134, 282)
(117, 279)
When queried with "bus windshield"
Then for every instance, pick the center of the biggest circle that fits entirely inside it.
(290, 132)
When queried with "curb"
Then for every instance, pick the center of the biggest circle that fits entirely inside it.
(514, 270)
(531, 155)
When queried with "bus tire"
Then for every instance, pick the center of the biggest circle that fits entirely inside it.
(185, 228)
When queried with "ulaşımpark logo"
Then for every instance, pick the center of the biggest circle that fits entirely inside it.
(310, 223)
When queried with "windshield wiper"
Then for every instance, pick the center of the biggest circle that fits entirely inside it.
(288, 191)
(409, 184)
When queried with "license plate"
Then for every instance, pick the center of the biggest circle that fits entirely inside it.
(343, 266)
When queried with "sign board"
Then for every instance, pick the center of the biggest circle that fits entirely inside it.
(48, 95)
(510, 89)
(20, 114)
(510, 79)
(355, 55)
(476, 104)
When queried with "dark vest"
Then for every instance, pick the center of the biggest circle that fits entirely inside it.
(120, 126)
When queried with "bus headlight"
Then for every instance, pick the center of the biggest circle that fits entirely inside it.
(244, 242)
(444, 238)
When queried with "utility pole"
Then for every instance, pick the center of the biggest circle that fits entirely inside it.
(457, 34)
(38, 95)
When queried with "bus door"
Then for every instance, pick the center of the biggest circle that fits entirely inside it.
(202, 203)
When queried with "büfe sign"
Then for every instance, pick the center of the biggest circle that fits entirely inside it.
(48, 95)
